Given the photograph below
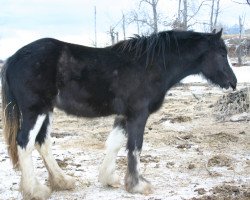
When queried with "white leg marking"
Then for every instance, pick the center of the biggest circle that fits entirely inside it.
(33, 133)
(58, 180)
(30, 186)
(114, 143)
(138, 162)
(143, 187)
(134, 182)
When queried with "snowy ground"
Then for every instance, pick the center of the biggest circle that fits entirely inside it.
(187, 154)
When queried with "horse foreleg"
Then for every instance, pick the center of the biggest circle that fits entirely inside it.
(134, 182)
(30, 187)
(114, 143)
(57, 179)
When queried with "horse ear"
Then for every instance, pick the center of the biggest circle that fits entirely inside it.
(214, 31)
(218, 35)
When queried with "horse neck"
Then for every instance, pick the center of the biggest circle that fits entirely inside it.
(179, 67)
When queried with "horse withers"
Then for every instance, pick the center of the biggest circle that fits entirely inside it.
(129, 79)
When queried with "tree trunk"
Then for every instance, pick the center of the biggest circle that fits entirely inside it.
(212, 16)
(112, 35)
(179, 11)
(123, 26)
(95, 44)
(216, 13)
(155, 18)
(117, 36)
(185, 15)
(239, 50)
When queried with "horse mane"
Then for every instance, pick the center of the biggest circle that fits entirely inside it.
(156, 44)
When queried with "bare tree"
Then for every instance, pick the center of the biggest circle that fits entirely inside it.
(184, 17)
(117, 36)
(155, 24)
(136, 18)
(142, 18)
(178, 23)
(211, 16)
(95, 43)
(123, 26)
(241, 1)
(112, 34)
(179, 11)
(239, 50)
(215, 9)
(153, 4)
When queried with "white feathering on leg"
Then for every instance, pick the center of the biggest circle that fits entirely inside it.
(58, 180)
(30, 186)
(114, 143)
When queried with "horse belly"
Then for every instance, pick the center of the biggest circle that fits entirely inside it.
(84, 107)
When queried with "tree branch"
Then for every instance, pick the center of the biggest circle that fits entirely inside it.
(191, 17)
(153, 2)
(248, 2)
(146, 1)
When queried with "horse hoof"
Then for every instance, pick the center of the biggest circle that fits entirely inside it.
(113, 180)
(64, 182)
(39, 192)
(142, 187)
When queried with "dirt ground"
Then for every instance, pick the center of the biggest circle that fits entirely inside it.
(187, 153)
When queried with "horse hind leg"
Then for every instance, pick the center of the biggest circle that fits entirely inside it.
(30, 187)
(115, 141)
(57, 179)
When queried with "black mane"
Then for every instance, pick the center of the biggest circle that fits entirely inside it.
(156, 44)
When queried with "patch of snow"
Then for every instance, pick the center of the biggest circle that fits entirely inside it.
(240, 117)
(184, 127)
(242, 74)
(194, 79)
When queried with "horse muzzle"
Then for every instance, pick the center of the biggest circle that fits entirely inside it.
(231, 80)
(233, 85)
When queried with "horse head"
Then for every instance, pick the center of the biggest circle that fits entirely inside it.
(215, 64)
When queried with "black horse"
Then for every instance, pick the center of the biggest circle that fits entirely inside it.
(128, 79)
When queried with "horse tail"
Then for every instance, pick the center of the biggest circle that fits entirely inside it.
(10, 117)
